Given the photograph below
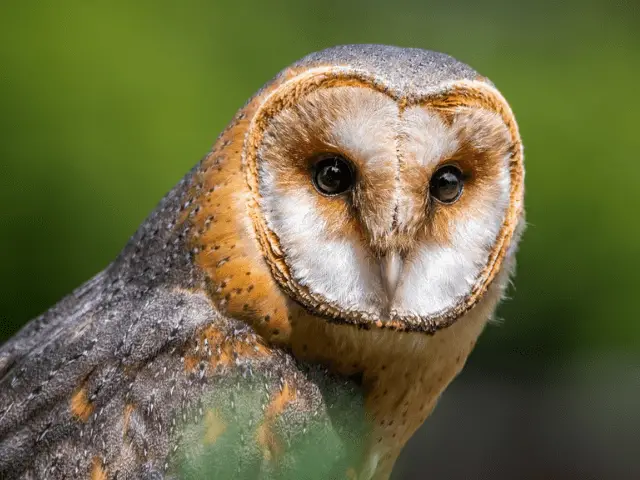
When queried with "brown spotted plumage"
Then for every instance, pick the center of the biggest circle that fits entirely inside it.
(262, 325)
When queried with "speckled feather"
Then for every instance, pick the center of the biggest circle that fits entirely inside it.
(188, 358)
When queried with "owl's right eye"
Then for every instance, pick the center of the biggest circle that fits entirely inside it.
(333, 175)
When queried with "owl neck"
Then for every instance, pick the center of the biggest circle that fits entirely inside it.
(403, 374)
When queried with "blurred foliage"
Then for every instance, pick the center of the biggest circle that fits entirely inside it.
(318, 446)
(105, 105)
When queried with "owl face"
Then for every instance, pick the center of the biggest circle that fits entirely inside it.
(379, 210)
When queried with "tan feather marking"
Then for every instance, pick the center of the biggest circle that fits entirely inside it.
(218, 348)
(190, 363)
(265, 435)
(80, 406)
(128, 410)
(351, 474)
(214, 427)
(98, 472)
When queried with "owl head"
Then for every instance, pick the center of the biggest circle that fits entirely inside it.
(375, 186)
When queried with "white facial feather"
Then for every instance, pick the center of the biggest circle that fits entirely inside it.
(427, 139)
(340, 270)
(344, 271)
(436, 277)
(352, 132)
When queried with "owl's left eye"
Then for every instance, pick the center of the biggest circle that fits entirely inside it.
(333, 175)
(446, 184)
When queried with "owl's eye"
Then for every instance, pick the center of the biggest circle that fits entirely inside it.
(332, 175)
(446, 184)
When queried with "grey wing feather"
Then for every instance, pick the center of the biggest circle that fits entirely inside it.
(110, 392)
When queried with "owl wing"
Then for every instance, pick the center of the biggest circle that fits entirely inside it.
(127, 383)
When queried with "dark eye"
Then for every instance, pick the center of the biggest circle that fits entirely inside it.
(332, 175)
(446, 184)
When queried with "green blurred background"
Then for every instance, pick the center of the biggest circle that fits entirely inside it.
(105, 105)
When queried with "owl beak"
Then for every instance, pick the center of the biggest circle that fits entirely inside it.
(390, 269)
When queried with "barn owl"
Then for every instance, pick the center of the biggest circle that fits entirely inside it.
(296, 305)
